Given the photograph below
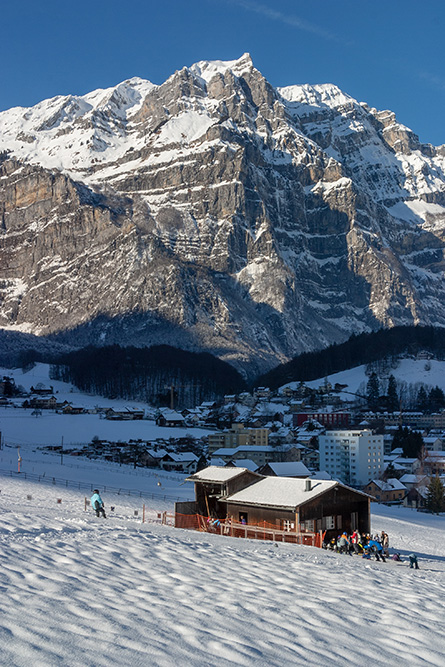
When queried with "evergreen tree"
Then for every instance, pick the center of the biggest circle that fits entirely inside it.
(435, 500)
(392, 396)
(437, 398)
(422, 400)
(410, 441)
(373, 391)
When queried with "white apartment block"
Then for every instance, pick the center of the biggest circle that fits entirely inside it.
(354, 457)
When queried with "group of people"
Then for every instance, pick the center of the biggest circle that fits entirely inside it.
(367, 546)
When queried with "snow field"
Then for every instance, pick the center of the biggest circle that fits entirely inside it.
(81, 591)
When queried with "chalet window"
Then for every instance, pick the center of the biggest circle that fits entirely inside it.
(328, 522)
(308, 526)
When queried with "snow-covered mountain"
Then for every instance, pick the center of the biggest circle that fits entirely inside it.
(217, 212)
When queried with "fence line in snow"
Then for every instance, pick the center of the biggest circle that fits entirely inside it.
(86, 485)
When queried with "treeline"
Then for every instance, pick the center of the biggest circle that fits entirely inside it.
(148, 374)
(359, 349)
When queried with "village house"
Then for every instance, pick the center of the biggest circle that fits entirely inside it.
(260, 455)
(72, 410)
(416, 497)
(170, 418)
(237, 436)
(183, 462)
(292, 505)
(41, 390)
(389, 491)
(151, 458)
(239, 463)
(129, 414)
(434, 463)
(43, 403)
(325, 418)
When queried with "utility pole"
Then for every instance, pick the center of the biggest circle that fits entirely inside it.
(61, 453)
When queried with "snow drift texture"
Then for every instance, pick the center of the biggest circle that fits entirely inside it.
(217, 212)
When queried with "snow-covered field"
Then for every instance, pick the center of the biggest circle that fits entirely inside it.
(82, 591)
(19, 427)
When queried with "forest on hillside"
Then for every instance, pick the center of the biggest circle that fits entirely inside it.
(148, 374)
(360, 349)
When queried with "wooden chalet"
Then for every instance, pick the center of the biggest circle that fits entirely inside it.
(212, 485)
(302, 506)
(282, 503)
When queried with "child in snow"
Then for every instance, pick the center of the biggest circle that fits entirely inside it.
(413, 561)
(97, 504)
(397, 558)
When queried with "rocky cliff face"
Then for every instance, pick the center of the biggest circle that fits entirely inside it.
(216, 212)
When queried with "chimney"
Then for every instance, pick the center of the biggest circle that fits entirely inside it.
(308, 485)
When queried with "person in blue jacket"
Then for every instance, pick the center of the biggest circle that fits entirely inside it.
(98, 504)
(377, 549)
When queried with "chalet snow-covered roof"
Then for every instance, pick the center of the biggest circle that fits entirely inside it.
(182, 457)
(172, 415)
(216, 461)
(246, 463)
(290, 469)
(391, 484)
(216, 474)
(284, 492)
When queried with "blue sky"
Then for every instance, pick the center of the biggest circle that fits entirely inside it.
(389, 54)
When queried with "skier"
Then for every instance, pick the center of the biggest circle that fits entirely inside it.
(97, 504)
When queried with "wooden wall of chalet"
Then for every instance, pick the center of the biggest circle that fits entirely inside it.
(186, 507)
(256, 514)
(338, 502)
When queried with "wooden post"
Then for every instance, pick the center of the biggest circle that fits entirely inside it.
(143, 513)
(207, 503)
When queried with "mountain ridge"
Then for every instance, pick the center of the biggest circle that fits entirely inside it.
(258, 222)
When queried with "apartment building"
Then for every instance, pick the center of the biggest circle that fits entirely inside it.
(354, 457)
(238, 436)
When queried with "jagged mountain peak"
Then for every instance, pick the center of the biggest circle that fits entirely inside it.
(318, 95)
(206, 69)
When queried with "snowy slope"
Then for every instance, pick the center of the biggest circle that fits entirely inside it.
(412, 371)
(85, 592)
